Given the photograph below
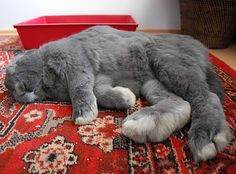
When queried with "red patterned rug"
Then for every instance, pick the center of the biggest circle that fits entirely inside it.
(41, 138)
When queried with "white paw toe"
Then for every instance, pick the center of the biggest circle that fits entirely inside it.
(127, 94)
(220, 141)
(207, 152)
(88, 117)
(138, 129)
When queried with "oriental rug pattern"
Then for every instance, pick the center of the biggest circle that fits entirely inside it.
(41, 137)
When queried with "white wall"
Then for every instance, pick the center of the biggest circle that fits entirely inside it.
(161, 14)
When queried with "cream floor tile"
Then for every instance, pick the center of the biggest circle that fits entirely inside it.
(227, 55)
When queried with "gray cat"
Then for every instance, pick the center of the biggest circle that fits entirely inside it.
(107, 67)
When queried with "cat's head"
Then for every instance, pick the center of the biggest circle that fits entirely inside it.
(23, 75)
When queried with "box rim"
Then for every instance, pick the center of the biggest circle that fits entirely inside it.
(23, 24)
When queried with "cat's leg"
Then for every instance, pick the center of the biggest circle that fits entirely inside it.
(215, 84)
(157, 122)
(112, 97)
(209, 132)
(67, 73)
(83, 100)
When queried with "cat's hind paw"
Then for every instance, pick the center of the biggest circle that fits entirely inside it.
(204, 148)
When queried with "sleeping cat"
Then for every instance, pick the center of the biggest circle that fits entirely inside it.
(109, 68)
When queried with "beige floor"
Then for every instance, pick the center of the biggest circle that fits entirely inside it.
(227, 55)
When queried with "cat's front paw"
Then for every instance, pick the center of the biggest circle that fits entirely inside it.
(85, 112)
(206, 140)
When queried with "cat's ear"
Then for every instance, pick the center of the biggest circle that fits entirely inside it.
(10, 69)
(49, 76)
(20, 88)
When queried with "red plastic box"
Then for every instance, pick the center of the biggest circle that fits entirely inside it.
(35, 32)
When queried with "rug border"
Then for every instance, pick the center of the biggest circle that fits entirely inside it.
(222, 65)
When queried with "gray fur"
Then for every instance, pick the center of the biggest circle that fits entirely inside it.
(172, 72)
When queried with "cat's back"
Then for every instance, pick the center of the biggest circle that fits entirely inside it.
(113, 47)
(108, 37)
(183, 50)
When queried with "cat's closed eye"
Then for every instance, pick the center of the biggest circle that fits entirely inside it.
(20, 88)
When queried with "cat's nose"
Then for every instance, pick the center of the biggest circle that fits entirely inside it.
(37, 99)
(31, 97)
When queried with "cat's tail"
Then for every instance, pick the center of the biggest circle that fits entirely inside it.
(215, 84)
